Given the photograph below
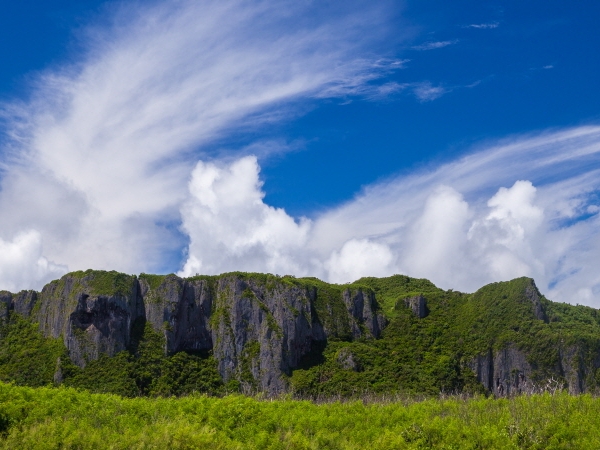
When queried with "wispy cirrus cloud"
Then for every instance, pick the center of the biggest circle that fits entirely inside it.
(426, 92)
(434, 45)
(483, 26)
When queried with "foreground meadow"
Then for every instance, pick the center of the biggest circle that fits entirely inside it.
(53, 418)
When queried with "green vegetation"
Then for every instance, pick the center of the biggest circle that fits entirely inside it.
(144, 370)
(186, 405)
(414, 355)
(28, 358)
(154, 281)
(102, 282)
(434, 354)
(46, 418)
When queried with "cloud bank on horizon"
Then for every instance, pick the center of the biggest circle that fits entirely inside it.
(109, 164)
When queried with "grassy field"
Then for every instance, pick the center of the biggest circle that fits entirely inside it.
(65, 418)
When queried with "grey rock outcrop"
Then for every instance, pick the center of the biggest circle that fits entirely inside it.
(261, 332)
(89, 322)
(509, 371)
(5, 305)
(576, 369)
(533, 295)
(21, 303)
(418, 305)
(180, 310)
(505, 373)
(365, 321)
(346, 359)
(258, 330)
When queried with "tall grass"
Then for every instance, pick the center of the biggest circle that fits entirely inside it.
(65, 418)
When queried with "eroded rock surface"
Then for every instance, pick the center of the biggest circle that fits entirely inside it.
(418, 305)
(90, 321)
(505, 372)
(533, 295)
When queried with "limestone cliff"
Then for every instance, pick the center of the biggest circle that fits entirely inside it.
(92, 311)
(258, 327)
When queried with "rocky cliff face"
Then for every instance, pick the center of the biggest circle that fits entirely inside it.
(504, 373)
(418, 305)
(512, 370)
(92, 311)
(261, 332)
(509, 371)
(180, 310)
(258, 328)
(533, 295)
(22, 303)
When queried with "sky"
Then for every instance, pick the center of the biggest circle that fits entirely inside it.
(454, 141)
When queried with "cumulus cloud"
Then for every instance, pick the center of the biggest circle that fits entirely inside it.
(22, 263)
(501, 239)
(437, 235)
(230, 226)
(523, 207)
(359, 258)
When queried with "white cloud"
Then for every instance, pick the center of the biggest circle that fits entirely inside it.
(426, 92)
(359, 258)
(102, 167)
(434, 45)
(484, 26)
(495, 214)
(22, 264)
(517, 208)
(230, 227)
(437, 236)
(99, 157)
(501, 239)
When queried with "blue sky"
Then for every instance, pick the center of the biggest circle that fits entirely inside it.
(136, 135)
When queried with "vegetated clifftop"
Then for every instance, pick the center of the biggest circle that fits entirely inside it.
(276, 334)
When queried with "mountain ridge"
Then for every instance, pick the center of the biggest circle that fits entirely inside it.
(276, 334)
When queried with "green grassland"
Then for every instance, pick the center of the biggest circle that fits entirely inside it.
(66, 418)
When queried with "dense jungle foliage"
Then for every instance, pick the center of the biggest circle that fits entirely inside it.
(432, 354)
(65, 418)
